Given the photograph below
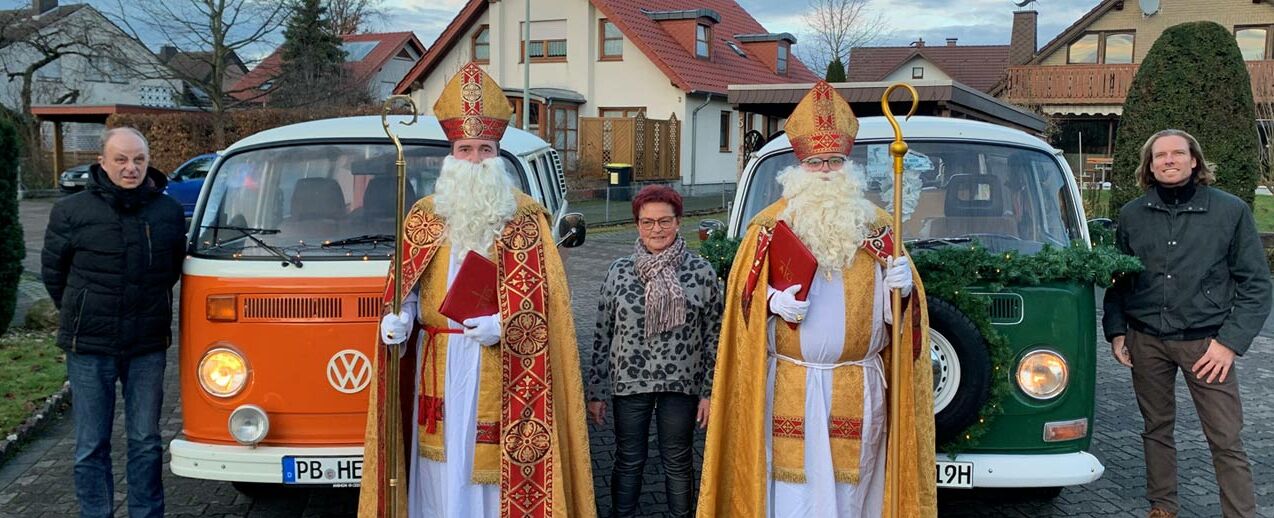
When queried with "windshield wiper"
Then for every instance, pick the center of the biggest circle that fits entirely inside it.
(364, 239)
(250, 233)
(928, 242)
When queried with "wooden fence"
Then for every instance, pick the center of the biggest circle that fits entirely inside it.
(652, 146)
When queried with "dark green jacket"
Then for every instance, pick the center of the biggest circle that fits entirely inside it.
(1206, 273)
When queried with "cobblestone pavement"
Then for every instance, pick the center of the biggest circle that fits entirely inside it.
(36, 482)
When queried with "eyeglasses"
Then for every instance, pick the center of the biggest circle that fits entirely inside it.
(817, 163)
(664, 223)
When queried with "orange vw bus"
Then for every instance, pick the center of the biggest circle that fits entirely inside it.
(280, 295)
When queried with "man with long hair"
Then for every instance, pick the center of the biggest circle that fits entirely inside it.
(495, 412)
(799, 412)
(1202, 298)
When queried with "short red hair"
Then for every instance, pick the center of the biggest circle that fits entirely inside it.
(657, 194)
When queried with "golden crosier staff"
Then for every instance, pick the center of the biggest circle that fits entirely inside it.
(897, 149)
(390, 413)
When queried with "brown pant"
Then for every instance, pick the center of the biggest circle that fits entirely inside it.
(1154, 374)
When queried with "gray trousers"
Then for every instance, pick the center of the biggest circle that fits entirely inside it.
(1155, 364)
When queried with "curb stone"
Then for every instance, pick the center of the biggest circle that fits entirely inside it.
(49, 410)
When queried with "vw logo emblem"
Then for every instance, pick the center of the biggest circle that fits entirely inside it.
(349, 371)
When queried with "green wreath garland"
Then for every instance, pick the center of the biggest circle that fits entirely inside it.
(948, 272)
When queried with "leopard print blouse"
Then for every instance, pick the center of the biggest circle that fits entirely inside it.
(680, 360)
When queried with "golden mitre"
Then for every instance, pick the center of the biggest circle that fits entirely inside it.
(821, 123)
(472, 106)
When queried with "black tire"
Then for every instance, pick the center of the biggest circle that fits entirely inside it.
(971, 364)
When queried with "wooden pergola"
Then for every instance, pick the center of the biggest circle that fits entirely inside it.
(59, 114)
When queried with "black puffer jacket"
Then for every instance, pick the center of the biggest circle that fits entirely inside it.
(111, 257)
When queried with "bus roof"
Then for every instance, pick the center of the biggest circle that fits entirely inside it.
(515, 140)
(946, 128)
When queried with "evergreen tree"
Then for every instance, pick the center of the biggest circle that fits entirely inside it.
(12, 246)
(835, 71)
(313, 60)
(1193, 79)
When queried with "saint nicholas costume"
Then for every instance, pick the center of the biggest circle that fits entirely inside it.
(486, 430)
(799, 416)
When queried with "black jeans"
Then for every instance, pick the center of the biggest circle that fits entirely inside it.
(675, 423)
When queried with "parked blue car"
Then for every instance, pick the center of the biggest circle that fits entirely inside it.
(185, 182)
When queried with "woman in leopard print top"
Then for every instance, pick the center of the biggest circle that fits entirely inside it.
(659, 317)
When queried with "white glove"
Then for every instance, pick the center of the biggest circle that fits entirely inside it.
(898, 275)
(784, 304)
(484, 330)
(394, 327)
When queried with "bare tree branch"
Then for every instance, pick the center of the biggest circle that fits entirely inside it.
(835, 28)
(354, 16)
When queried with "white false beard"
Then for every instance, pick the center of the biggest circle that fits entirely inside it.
(828, 212)
(476, 200)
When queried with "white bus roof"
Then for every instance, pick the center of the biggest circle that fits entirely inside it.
(878, 128)
(515, 141)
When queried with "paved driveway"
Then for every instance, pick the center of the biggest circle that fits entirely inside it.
(37, 482)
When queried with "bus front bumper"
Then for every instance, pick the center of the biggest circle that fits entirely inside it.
(1022, 471)
(266, 464)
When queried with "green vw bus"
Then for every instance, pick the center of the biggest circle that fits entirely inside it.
(972, 183)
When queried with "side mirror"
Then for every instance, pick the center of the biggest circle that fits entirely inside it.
(571, 230)
(708, 227)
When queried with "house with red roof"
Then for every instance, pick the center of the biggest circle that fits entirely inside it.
(978, 66)
(378, 60)
(618, 58)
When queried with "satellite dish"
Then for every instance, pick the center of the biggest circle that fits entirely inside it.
(1148, 7)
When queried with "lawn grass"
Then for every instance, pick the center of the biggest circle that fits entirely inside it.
(32, 368)
(1262, 208)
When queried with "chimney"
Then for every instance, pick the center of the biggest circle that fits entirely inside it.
(951, 42)
(166, 53)
(1022, 41)
(920, 42)
(39, 7)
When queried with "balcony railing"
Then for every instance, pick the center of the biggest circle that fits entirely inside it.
(1100, 84)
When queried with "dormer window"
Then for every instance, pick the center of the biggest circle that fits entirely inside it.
(781, 63)
(482, 45)
(703, 38)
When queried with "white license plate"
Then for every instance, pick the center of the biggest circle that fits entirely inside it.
(322, 470)
(955, 474)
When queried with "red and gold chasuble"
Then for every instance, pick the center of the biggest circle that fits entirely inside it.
(540, 462)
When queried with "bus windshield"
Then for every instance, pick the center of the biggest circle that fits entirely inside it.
(1005, 198)
(317, 201)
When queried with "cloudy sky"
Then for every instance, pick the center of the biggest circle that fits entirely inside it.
(974, 22)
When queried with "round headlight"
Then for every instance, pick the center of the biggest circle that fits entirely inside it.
(223, 372)
(1042, 374)
(248, 424)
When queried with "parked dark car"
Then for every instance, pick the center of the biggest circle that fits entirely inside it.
(185, 182)
(74, 179)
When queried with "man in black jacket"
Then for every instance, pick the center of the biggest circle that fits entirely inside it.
(111, 257)
(1201, 300)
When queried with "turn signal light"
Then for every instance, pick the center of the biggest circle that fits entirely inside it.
(1058, 431)
(223, 308)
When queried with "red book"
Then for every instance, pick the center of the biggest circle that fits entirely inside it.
(790, 261)
(473, 292)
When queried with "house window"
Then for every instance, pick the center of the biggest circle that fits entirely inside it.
(703, 35)
(781, 62)
(482, 45)
(612, 42)
(51, 71)
(516, 121)
(724, 138)
(917, 72)
(1253, 42)
(620, 111)
(1111, 48)
(547, 51)
(1083, 50)
(1118, 49)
